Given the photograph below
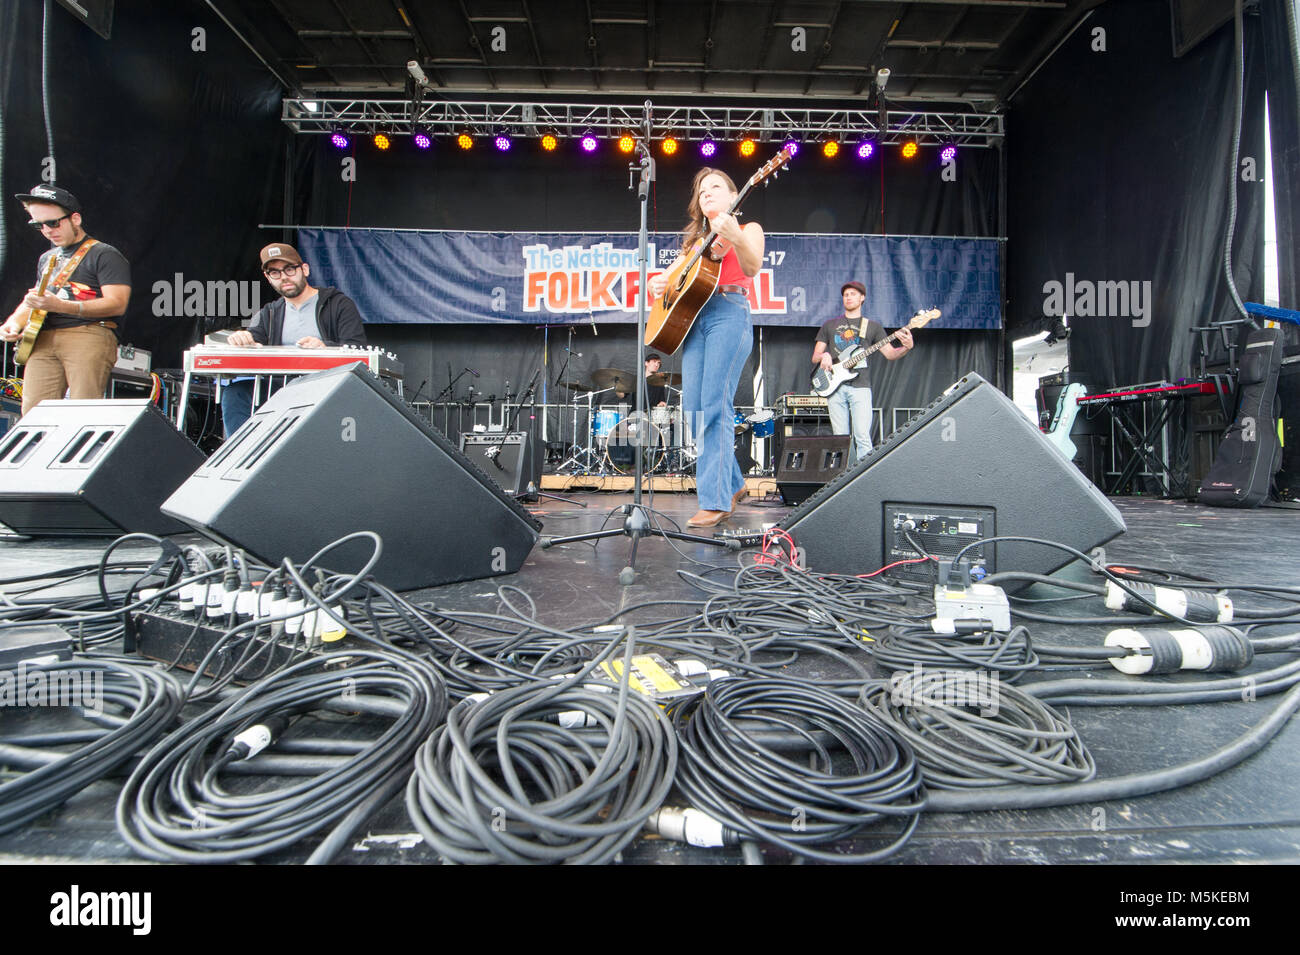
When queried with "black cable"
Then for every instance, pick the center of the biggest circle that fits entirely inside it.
(756, 792)
(1009, 654)
(174, 806)
(148, 699)
(972, 731)
(504, 781)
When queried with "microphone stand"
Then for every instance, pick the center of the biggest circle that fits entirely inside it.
(636, 521)
(531, 493)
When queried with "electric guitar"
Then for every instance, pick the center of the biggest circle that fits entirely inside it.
(824, 382)
(693, 278)
(35, 318)
(1067, 406)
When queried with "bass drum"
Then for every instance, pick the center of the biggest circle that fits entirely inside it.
(637, 433)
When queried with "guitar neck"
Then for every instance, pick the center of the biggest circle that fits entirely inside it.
(866, 353)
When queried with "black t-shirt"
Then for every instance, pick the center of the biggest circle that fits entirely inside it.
(840, 334)
(102, 265)
(654, 394)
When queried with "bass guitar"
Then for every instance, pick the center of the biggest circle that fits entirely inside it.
(825, 381)
(693, 278)
(35, 317)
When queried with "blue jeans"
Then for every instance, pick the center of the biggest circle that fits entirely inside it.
(849, 403)
(237, 400)
(713, 356)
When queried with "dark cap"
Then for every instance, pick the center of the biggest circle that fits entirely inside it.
(281, 251)
(51, 194)
(854, 284)
(651, 356)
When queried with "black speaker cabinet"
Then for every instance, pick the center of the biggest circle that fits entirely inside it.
(89, 468)
(508, 459)
(969, 466)
(337, 452)
(807, 464)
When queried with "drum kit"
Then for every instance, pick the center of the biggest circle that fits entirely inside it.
(618, 432)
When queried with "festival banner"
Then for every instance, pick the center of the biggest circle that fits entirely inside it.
(561, 278)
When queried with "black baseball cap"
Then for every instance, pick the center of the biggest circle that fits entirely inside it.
(651, 356)
(52, 194)
(854, 284)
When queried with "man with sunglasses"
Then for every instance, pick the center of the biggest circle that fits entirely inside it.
(304, 316)
(88, 291)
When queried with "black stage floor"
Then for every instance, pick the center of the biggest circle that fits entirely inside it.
(1247, 814)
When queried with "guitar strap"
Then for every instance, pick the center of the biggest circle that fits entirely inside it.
(70, 266)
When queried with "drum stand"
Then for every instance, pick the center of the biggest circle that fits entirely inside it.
(636, 521)
(584, 458)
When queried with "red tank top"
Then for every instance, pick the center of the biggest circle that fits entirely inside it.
(732, 274)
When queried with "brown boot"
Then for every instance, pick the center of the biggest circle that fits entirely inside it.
(708, 518)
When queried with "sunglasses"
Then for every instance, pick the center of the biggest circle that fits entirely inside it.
(289, 270)
(48, 223)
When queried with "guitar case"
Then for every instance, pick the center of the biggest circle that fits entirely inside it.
(1250, 452)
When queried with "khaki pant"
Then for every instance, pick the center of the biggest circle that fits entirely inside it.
(77, 360)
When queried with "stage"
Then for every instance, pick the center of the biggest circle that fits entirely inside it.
(1246, 814)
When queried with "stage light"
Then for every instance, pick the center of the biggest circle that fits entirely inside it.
(747, 147)
(626, 143)
(830, 149)
(340, 139)
(550, 142)
(668, 146)
(948, 153)
(589, 143)
(708, 148)
(792, 145)
(909, 149)
(502, 143)
(422, 140)
(465, 141)
(865, 149)
(381, 141)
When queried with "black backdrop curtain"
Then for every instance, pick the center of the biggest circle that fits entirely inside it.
(1119, 163)
(175, 153)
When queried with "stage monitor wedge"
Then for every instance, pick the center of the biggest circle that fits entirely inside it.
(969, 466)
(93, 468)
(337, 452)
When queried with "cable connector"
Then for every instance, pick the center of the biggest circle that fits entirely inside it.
(948, 627)
(691, 826)
(1212, 649)
(1197, 605)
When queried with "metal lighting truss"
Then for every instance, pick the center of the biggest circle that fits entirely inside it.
(364, 116)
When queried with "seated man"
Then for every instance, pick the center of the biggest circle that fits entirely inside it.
(304, 316)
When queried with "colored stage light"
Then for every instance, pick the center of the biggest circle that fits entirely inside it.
(502, 143)
(422, 140)
(708, 148)
(669, 146)
(909, 150)
(865, 149)
(626, 143)
(381, 141)
(465, 141)
(340, 139)
(948, 153)
(747, 147)
(830, 149)
(589, 143)
(549, 142)
(792, 145)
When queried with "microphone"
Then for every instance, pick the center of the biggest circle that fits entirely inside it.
(575, 354)
(472, 372)
(592, 316)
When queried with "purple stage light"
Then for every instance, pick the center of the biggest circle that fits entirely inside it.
(865, 150)
(340, 141)
(708, 148)
(948, 154)
(792, 145)
(502, 143)
(589, 143)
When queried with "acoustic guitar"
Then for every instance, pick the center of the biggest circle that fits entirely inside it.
(35, 317)
(693, 278)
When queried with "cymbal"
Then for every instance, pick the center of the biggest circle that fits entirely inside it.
(664, 378)
(617, 378)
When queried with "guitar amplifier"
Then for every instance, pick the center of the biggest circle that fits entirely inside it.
(812, 422)
(509, 459)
